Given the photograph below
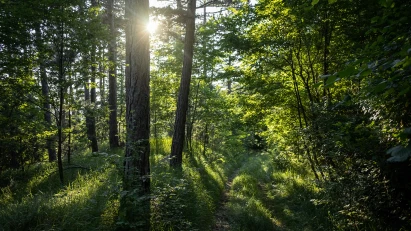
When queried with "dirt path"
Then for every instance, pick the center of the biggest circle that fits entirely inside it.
(221, 218)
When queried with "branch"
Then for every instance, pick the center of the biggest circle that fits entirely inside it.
(215, 2)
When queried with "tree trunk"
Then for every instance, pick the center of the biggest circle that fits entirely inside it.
(61, 96)
(301, 111)
(112, 79)
(90, 120)
(135, 205)
(94, 145)
(182, 103)
(90, 98)
(70, 102)
(45, 92)
(122, 102)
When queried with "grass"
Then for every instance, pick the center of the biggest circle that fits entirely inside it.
(268, 194)
(187, 200)
(36, 200)
(89, 197)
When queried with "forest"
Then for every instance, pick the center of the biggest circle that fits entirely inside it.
(205, 115)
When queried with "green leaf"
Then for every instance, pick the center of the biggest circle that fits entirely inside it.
(375, 19)
(399, 153)
(407, 131)
(347, 72)
(314, 2)
(365, 72)
(380, 87)
(318, 84)
(403, 92)
(330, 80)
(331, 1)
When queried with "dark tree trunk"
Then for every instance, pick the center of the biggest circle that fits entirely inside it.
(61, 96)
(135, 205)
(90, 120)
(112, 80)
(94, 144)
(122, 102)
(182, 103)
(70, 101)
(45, 92)
(90, 98)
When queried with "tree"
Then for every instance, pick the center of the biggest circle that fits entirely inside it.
(112, 96)
(45, 92)
(90, 91)
(135, 203)
(182, 103)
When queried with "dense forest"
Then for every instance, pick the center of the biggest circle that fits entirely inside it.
(205, 115)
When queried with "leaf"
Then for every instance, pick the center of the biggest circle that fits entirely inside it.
(332, 1)
(375, 19)
(380, 87)
(330, 80)
(324, 76)
(314, 2)
(399, 154)
(318, 84)
(347, 72)
(365, 72)
(405, 91)
(407, 131)
(395, 149)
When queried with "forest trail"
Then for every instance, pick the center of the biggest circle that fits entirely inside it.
(221, 215)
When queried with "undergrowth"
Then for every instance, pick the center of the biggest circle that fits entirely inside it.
(187, 199)
(275, 193)
(34, 199)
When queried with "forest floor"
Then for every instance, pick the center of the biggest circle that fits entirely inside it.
(265, 195)
(222, 221)
(267, 192)
(242, 190)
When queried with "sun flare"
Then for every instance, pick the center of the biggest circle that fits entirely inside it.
(152, 26)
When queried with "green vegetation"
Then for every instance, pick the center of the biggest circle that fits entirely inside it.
(34, 199)
(263, 115)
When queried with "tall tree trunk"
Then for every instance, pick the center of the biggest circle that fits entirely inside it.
(190, 125)
(90, 98)
(93, 133)
(182, 103)
(45, 92)
(112, 79)
(122, 102)
(70, 101)
(61, 95)
(135, 205)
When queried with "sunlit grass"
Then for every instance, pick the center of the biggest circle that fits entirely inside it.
(268, 194)
(40, 202)
(89, 197)
(186, 200)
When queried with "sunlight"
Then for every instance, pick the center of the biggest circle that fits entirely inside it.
(152, 26)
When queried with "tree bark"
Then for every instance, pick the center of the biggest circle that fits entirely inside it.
(182, 103)
(135, 205)
(45, 92)
(112, 79)
(90, 120)
(90, 98)
(61, 96)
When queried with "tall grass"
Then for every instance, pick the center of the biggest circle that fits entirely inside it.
(38, 201)
(89, 197)
(275, 194)
(187, 199)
